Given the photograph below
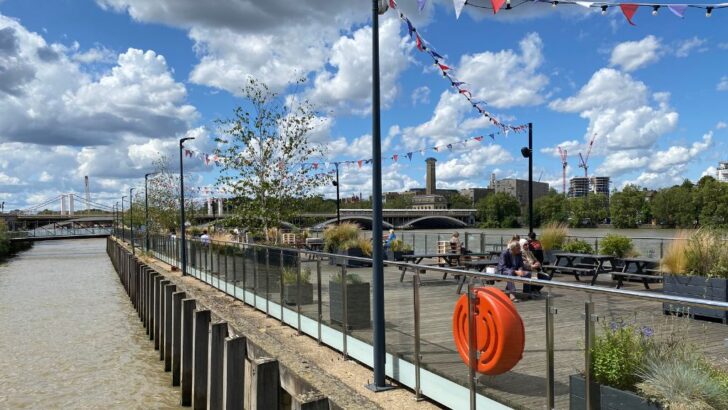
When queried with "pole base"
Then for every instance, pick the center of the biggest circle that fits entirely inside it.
(378, 389)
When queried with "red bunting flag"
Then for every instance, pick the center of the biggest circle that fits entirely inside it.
(443, 67)
(315, 165)
(392, 4)
(359, 162)
(629, 10)
(479, 138)
(466, 92)
(497, 4)
(395, 156)
(419, 43)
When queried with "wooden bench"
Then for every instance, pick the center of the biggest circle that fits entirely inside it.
(576, 271)
(646, 279)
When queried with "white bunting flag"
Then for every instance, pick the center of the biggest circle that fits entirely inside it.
(459, 4)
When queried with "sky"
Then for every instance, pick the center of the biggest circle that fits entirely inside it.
(102, 88)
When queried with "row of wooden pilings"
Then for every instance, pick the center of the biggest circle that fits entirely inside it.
(209, 364)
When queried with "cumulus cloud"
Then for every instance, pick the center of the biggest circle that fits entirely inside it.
(507, 78)
(723, 84)
(469, 165)
(632, 55)
(686, 47)
(421, 95)
(721, 125)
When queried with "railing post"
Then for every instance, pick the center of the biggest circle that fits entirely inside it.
(589, 393)
(318, 292)
(267, 282)
(344, 321)
(550, 391)
(298, 291)
(280, 282)
(416, 307)
(472, 354)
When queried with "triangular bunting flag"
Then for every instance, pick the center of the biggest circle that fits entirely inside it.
(409, 156)
(449, 146)
(394, 157)
(586, 4)
(435, 55)
(629, 10)
(459, 4)
(421, 4)
(497, 4)
(678, 9)
(478, 138)
(315, 165)
(359, 162)
(410, 28)
(443, 67)
(392, 4)
(419, 43)
(492, 136)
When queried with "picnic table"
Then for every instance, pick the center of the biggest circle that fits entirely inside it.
(643, 268)
(479, 265)
(596, 265)
(451, 259)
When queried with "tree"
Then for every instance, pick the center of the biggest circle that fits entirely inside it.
(264, 155)
(627, 207)
(163, 197)
(550, 208)
(710, 198)
(587, 210)
(674, 207)
(500, 210)
(459, 201)
(399, 202)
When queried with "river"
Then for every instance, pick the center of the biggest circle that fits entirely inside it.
(69, 337)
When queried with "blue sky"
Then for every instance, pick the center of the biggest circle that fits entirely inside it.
(99, 88)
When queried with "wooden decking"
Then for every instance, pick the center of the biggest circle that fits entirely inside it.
(524, 386)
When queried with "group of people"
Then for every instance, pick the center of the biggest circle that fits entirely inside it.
(522, 257)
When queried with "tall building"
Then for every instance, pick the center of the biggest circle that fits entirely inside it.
(600, 185)
(723, 171)
(430, 183)
(519, 189)
(578, 187)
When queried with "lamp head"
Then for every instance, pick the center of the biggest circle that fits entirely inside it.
(182, 140)
(525, 152)
(334, 183)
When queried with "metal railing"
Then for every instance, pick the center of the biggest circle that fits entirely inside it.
(260, 276)
(58, 232)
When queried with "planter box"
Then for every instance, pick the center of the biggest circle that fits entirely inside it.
(290, 294)
(348, 262)
(698, 287)
(607, 398)
(357, 303)
(397, 256)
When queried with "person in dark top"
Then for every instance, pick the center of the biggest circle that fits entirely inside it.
(511, 263)
(534, 246)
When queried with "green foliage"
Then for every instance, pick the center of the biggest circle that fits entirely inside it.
(398, 202)
(587, 211)
(627, 207)
(260, 153)
(336, 235)
(163, 197)
(4, 241)
(351, 278)
(706, 254)
(674, 207)
(362, 243)
(553, 236)
(578, 246)
(618, 354)
(458, 201)
(290, 275)
(500, 210)
(316, 204)
(399, 245)
(550, 209)
(616, 245)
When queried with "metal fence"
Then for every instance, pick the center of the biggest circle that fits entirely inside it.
(304, 290)
(58, 232)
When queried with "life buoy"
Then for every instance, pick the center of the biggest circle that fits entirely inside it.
(499, 333)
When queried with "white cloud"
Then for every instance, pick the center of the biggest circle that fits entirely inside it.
(721, 125)
(421, 95)
(710, 171)
(469, 165)
(632, 55)
(506, 78)
(723, 84)
(676, 156)
(8, 180)
(686, 47)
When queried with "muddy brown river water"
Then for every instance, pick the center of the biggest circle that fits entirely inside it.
(69, 337)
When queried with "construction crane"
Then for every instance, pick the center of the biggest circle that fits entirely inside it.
(562, 153)
(584, 162)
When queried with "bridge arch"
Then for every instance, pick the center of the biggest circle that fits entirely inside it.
(434, 221)
(362, 220)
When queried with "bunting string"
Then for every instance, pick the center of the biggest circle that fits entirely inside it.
(446, 69)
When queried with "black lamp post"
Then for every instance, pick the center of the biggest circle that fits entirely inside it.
(378, 334)
(131, 218)
(122, 218)
(338, 201)
(527, 152)
(146, 208)
(116, 217)
(182, 205)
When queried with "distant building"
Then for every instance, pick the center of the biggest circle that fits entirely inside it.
(723, 171)
(519, 189)
(600, 185)
(429, 202)
(580, 186)
(476, 194)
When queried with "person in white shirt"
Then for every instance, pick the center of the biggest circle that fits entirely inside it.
(205, 238)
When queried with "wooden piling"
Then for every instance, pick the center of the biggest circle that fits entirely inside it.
(233, 390)
(176, 334)
(188, 309)
(168, 290)
(201, 330)
(216, 348)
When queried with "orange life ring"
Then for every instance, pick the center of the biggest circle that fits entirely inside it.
(500, 336)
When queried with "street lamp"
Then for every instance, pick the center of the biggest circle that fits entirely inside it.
(527, 152)
(338, 203)
(122, 218)
(182, 205)
(131, 218)
(116, 218)
(378, 334)
(146, 207)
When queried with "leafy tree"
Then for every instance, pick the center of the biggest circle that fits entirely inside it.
(262, 155)
(674, 207)
(588, 210)
(500, 210)
(458, 201)
(551, 208)
(627, 207)
(163, 199)
(710, 198)
(317, 204)
(398, 202)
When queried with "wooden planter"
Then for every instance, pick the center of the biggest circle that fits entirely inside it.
(397, 256)
(357, 303)
(607, 398)
(698, 287)
(290, 294)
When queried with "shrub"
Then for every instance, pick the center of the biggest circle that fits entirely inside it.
(352, 278)
(364, 244)
(674, 261)
(618, 354)
(616, 245)
(553, 236)
(706, 254)
(578, 246)
(336, 235)
(399, 245)
(290, 275)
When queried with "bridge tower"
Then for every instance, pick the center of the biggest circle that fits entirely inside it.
(63, 204)
(70, 204)
(431, 182)
(88, 193)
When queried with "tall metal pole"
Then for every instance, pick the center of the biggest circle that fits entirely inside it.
(530, 177)
(182, 205)
(378, 341)
(131, 219)
(122, 218)
(146, 211)
(338, 201)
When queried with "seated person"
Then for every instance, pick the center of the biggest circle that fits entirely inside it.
(511, 263)
(534, 246)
